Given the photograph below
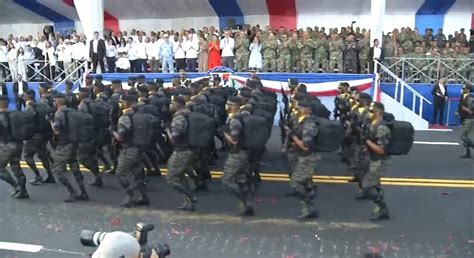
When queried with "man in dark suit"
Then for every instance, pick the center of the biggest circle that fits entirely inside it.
(3, 89)
(440, 96)
(20, 87)
(97, 52)
(375, 53)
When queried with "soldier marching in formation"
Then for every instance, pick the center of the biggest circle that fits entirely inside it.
(149, 124)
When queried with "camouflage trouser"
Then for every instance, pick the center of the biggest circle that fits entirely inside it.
(65, 154)
(10, 153)
(374, 173)
(363, 64)
(320, 63)
(130, 170)
(292, 157)
(306, 62)
(284, 64)
(358, 162)
(334, 63)
(37, 145)
(241, 62)
(295, 63)
(179, 164)
(350, 65)
(269, 64)
(467, 134)
(235, 177)
(103, 139)
(86, 154)
(302, 178)
(200, 165)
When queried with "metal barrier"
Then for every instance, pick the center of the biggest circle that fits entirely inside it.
(401, 86)
(429, 69)
(42, 71)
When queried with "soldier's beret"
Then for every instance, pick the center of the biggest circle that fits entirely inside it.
(142, 89)
(245, 93)
(30, 93)
(100, 86)
(3, 98)
(68, 83)
(130, 98)
(179, 99)
(151, 83)
(84, 90)
(304, 102)
(116, 81)
(44, 85)
(251, 84)
(365, 96)
(343, 84)
(88, 76)
(185, 91)
(159, 81)
(99, 77)
(235, 100)
(141, 76)
(59, 96)
(378, 106)
(293, 82)
(301, 88)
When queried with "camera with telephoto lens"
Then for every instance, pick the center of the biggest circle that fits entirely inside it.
(94, 238)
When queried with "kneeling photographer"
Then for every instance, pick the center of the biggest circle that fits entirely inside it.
(124, 245)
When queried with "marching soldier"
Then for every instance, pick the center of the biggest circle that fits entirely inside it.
(71, 97)
(376, 144)
(466, 111)
(10, 153)
(180, 162)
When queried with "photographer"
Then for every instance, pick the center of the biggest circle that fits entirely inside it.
(118, 244)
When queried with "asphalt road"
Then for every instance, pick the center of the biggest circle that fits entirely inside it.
(429, 193)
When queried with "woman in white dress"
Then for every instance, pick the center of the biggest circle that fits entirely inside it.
(22, 59)
(255, 60)
(12, 61)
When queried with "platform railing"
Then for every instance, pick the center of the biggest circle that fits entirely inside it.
(42, 71)
(400, 87)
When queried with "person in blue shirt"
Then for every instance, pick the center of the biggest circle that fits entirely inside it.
(166, 55)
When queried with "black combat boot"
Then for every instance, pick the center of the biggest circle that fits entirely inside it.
(468, 154)
(128, 202)
(144, 200)
(308, 212)
(380, 212)
(97, 182)
(22, 194)
(37, 181)
(189, 204)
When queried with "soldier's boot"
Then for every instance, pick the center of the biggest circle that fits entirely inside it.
(308, 212)
(467, 155)
(380, 212)
(72, 193)
(189, 204)
(38, 179)
(9, 179)
(22, 194)
(97, 179)
(128, 202)
(362, 195)
(83, 196)
(201, 186)
(49, 178)
(143, 200)
(245, 208)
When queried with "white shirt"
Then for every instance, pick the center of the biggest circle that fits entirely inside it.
(191, 48)
(178, 50)
(442, 89)
(377, 52)
(3, 54)
(78, 51)
(61, 52)
(132, 52)
(20, 87)
(95, 44)
(140, 48)
(227, 46)
(153, 50)
(123, 63)
(110, 51)
(50, 56)
(12, 55)
(68, 53)
(123, 49)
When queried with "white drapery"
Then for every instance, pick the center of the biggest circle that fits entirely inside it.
(91, 14)
(377, 13)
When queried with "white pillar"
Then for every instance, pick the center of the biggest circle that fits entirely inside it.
(91, 14)
(377, 13)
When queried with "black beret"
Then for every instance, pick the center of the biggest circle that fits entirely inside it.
(185, 91)
(84, 90)
(69, 83)
(304, 102)
(99, 77)
(3, 98)
(293, 82)
(344, 84)
(365, 96)
(150, 83)
(235, 100)
(378, 106)
(116, 81)
(179, 99)
(59, 96)
(100, 86)
(141, 76)
(158, 80)
(30, 93)
(251, 84)
(130, 98)
(245, 92)
(88, 76)
(44, 85)
(301, 88)
(142, 89)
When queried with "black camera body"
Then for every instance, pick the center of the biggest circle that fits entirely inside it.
(94, 238)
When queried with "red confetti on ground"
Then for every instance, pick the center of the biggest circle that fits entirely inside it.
(450, 237)
(374, 249)
(289, 256)
(258, 200)
(295, 236)
(115, 222)
(242, 239)
(188, 231)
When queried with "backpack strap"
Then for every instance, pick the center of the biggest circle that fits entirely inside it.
(36, 113)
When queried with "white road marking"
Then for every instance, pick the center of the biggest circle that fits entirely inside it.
(437, 143)
(20, 247)
(436, 130)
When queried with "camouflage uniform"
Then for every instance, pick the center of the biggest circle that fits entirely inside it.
(350, 57)
(306, 47)
(65, 154)
(284, 59)
(467, 134)
(291, 152)
(180, 162)
(321, 55)
(86, 152)
(335, 55)
(380, 135)
(269, 49)
(358, 162)
(388, 50)
(235, 176)
(103, 138)
(129, 163)
(364, 48)
(302, 177)
(37, 145)
(242, 54)
(295, 55)
(10, 153)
